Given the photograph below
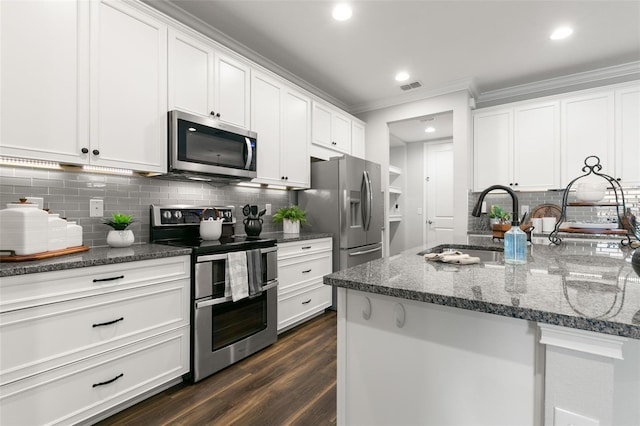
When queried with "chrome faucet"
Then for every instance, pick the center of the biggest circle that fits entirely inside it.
(514, 214)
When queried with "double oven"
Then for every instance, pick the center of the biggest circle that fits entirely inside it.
(222, 331)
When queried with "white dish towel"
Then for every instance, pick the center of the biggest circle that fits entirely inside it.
(236, 276)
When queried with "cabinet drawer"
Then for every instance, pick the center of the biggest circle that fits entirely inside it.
(78, 391)
(43, 337)
(23, 291)
(300, 248)
(296, 307)
(299, 270)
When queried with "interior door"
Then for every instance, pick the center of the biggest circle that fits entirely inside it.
(438, 194)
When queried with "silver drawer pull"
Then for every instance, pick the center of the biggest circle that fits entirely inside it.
(307, 271)
(306, 302)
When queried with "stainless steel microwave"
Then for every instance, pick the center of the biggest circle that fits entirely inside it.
(204, 148)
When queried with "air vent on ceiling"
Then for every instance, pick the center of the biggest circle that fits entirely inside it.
(411, 86)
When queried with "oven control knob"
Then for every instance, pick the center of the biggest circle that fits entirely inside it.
(177, 214)
(166, 215)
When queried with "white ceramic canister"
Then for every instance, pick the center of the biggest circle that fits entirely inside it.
(23, 228)
(57, 233)
(74, 234)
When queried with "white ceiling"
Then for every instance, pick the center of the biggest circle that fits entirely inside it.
(413, 130)
(490, 44)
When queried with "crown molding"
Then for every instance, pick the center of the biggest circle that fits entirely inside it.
(467, 84)
(181, 16)
(587, 77)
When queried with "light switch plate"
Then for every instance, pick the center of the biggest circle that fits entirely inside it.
(96, 208)
(267, 207)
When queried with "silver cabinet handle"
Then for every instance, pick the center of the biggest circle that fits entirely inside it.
(358, 253)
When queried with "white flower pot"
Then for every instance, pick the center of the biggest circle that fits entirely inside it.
(120, 238)
(289, 227)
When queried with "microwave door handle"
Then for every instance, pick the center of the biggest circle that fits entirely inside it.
(249, 153)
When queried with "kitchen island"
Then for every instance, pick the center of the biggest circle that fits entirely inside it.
(554, 341)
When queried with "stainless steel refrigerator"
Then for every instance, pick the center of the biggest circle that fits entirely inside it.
(346, 199)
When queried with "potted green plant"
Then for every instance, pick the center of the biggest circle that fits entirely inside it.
(119, 236)
(498, 216)
(291, 218)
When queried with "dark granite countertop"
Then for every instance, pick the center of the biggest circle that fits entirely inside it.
(587, 286)
(93, 257)
(290, 238)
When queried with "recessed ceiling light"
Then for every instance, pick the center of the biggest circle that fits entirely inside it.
(402, 76)
(430, 130)
(342, 12)
(560, 33)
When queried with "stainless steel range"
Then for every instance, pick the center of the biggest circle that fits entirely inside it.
(222, 331)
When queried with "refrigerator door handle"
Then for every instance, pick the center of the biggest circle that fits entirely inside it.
(358, 253)
(368, 193)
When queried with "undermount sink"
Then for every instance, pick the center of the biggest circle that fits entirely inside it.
(486, 254)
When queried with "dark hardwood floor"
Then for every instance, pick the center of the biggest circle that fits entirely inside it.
(292, 382)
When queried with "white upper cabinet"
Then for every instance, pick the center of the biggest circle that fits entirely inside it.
(128, 88)
(493, 147)
(282, 119)
(627, 145)
(44, 74)
(587, 129)
(536, 139)
(294, 158)
(232, 91)
(205, 81)
(331, 129)
(190, 74)
(357, 140)
(514, 147)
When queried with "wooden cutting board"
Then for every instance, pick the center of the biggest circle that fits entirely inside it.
(43, 255)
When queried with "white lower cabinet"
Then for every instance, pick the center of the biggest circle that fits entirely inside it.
(301, 293)
(79, 342)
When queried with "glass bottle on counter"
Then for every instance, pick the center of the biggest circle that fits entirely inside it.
(515, 246)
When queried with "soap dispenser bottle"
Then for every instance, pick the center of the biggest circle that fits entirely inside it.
(515, 245)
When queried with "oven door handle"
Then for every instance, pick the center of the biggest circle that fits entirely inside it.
(211, 302)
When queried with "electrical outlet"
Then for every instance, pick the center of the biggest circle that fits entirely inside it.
(96, 208)
(267, 207)
(524, 209)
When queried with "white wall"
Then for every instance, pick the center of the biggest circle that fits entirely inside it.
(377, 147)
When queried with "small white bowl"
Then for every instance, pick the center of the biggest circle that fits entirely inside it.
(589, 192)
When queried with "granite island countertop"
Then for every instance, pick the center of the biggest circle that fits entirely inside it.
(587, 286)
(94, 257)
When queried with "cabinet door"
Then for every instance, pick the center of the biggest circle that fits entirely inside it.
(357, 140)
(536, 146)
(587, 129)
(232, 83)
(266, 118)
(628, 136)
(321, 134)
(296, 138)
(43, 86)
(129, 88)
(341, 132)
(492, 148)
(190, 74)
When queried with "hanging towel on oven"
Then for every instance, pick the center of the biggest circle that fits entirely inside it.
(254, 265)
(236, 276)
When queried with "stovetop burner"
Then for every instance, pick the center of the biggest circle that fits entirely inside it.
(178, 225)
(224, 244)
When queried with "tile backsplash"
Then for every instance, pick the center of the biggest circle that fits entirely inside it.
(68, 193)
(534, 199)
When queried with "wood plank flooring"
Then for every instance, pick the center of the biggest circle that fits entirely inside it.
(292, 382)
